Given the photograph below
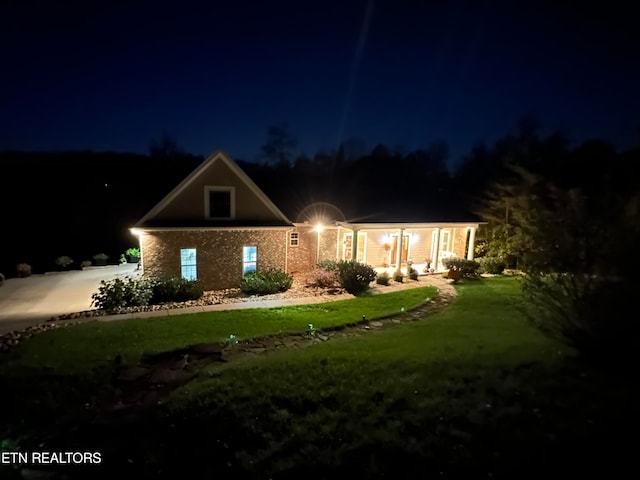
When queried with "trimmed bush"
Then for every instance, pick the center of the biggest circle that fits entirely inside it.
(64, 261)
(328, 265)
(466, 268)
(118, 293)
(492, 265)
(23, 270)
(398, 276)
(323, 278)
(383, 278)
(132, 292)
(174, 289)
(266, 282)
(85, 263)
(413, 274)
(355, 277)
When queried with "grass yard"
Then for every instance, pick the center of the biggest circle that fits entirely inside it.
(78, 349)
(471, 392)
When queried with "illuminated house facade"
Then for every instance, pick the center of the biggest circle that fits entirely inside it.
(217, 225)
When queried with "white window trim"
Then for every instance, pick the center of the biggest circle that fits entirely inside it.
(297, 234)
(232, 208)
(195, 265)
(449, 243)
(361, 236)
(243, 261)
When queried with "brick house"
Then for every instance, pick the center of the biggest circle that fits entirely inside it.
(217, 225)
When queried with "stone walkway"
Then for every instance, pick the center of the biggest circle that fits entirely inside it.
(137, 388)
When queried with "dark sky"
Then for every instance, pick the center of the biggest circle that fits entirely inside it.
(214, 75)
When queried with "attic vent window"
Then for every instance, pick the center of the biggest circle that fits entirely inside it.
(219, 203)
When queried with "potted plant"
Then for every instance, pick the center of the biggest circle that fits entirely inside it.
(100, 258)
(428, 261)
(133, 255)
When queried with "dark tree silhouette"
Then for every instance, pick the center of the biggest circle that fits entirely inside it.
(280, 145)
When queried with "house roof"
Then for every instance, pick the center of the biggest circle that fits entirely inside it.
(150, 220)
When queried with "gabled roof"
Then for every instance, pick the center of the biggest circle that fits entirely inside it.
(218, 156)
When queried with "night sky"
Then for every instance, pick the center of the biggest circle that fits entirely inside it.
(112, 76)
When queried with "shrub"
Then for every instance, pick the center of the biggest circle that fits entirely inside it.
(413, 274)
(100, 258)
(122, 260)
(323, 278)
(492, 265)
(355, 277)
(398, 276)
(133, 252)
(85, 263)
(63, 261)
(383, 278)
(328, 265)
(23, 270)
(467, 268)
(266, 282)
(577, 309)
(119, 293)
(174, 289)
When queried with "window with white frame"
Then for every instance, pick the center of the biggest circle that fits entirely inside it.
(347, 249)
(294, 239)
(188, 269)
(219, 203)
(249, 259)
(445, 237)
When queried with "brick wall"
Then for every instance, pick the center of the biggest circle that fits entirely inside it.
(459, 242)
(302, 257)
(218, 253)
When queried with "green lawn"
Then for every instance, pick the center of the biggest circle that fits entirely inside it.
(471, 392)
(80, 348)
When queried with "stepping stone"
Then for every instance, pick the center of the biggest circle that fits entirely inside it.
(258, 350)
(376, 323)
(323, 338)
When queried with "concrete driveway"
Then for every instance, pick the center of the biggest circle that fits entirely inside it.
(35, 299)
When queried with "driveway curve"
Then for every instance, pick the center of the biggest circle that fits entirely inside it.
(25, 302)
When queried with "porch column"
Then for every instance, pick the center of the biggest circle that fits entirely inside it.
(399, 250)
(354, 245)
(436, 250)
(472, 242)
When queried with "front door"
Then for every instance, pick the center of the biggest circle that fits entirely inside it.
(394, 250)
(443, 248)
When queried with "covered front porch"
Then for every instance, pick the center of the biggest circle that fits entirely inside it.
(393, 246)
